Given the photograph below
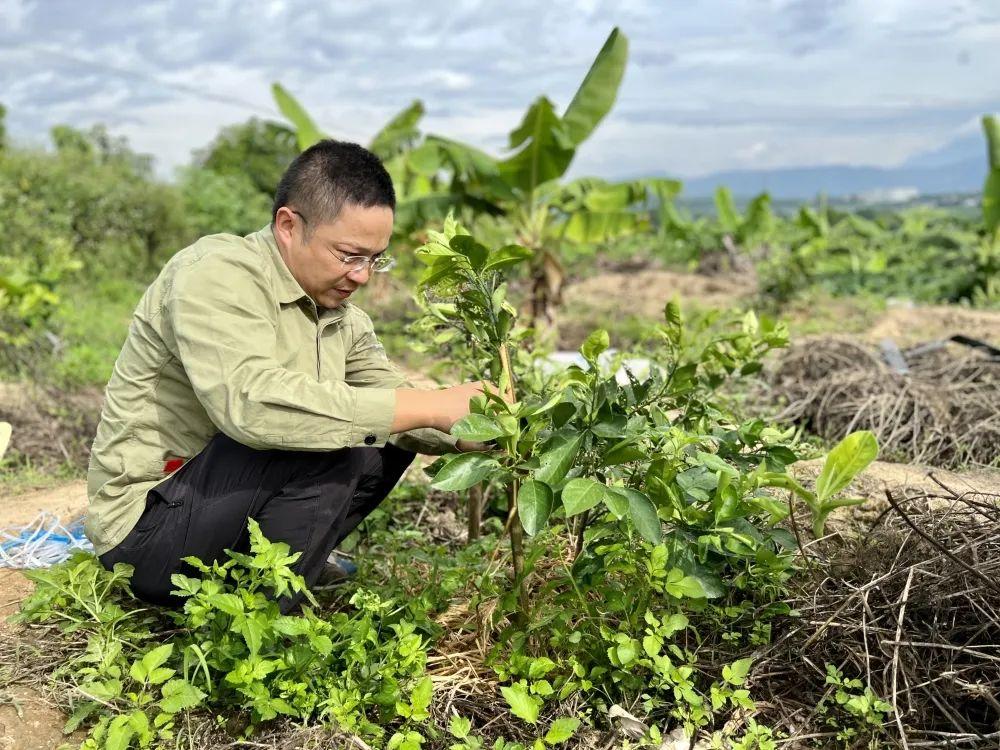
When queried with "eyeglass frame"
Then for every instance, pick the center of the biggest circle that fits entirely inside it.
(359, 261)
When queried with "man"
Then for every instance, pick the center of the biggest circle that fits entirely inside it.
(250, 387)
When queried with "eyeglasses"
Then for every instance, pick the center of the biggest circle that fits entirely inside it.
(353, 263)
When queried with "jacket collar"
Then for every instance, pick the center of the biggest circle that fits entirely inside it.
(288, 289)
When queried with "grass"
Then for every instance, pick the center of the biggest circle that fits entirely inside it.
(93, 321)
(21, 477)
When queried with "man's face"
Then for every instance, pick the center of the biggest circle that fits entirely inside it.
(313, 252)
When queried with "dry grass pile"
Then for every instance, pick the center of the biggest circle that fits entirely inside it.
(912, 608)
(944, 412)
(51, 428)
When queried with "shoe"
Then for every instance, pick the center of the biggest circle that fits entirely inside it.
(336, 570)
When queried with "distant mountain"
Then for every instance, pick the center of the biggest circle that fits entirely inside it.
(957, 167)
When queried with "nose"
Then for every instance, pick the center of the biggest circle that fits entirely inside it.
(361, 275)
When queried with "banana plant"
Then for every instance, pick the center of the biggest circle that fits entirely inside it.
(431, 174)
(991, 188)
(754, 226)
(519, 193)
(544, 145)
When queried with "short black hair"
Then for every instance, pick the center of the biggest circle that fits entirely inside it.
(329, 174)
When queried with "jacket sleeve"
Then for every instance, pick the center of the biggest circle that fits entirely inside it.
(368, 366)
(221, 322)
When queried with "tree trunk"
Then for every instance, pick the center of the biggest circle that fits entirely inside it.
(517, 556)
(475, 508)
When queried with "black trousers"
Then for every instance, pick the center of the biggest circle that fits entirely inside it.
(308, 500)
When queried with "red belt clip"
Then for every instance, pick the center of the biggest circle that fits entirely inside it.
(172, 464)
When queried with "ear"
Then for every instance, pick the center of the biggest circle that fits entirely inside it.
(284, 226)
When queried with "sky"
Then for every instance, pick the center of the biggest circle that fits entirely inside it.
(710, 84)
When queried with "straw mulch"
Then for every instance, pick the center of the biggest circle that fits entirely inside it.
(944, 412)
(912, 609)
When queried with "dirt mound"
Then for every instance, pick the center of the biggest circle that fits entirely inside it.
(644, 293)
(51, 428)
(902, 480)
(617, 301)
(913, 325)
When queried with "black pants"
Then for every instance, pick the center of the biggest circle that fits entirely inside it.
(308, 500)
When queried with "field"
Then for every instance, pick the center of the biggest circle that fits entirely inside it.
(758, 511)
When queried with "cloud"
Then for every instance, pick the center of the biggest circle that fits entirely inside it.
(816, 81)
(13, 14)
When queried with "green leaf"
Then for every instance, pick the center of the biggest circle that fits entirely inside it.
(506, 256)
(305, 129)
(672, 314)
(157, 657)
(561, 730)
(545, 149)
(290, 625)
(420, 698)
(684, 586)
(729, 217)
(736, 673)
(559, 457)
(596, 95)
(643, 514)
(80, 714)
(474, 251)
(464, 470)
(601, 226)
(540, 667)
(617, 502)
(596, 342)
(179, 695)
(160, 675)
(460, 727)
(991, 188)
(991, 129)
(534, 504)
(228, 603)
(626, 451)
(522, 704)
(120, 733)
(580, 495)
(715, 463)
(399, 132)
(848, 458)
(477, 427)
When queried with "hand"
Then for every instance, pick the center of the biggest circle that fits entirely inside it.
(439, 408)
(471, 446)
(454, 402)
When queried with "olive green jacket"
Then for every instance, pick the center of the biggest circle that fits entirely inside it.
(226, 340)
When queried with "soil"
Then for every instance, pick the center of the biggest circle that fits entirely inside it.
(901, 480)
(68, 501)
(620, 300)
(644, 293)
(908, 325)
(28, 720)
(602, 300)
